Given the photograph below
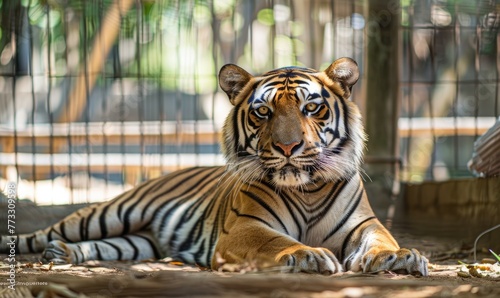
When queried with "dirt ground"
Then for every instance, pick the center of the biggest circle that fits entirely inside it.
(173, 279)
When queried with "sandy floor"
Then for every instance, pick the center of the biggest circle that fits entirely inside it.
(172, 279)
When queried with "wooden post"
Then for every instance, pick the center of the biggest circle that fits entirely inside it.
(381, 82)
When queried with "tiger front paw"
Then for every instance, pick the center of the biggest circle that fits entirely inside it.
(310, 260)
(58, 252)
(402, 260)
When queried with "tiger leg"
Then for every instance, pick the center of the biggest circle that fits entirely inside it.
(258, 242)
(373, 249)
(137, 246)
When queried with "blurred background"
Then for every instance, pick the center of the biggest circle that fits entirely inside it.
(99, 95)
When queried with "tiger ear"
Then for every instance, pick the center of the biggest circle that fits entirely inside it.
(232, 79)
(345, 71)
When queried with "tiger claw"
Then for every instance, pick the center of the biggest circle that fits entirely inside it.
(57, 252)
(311, 260)
(403, 260)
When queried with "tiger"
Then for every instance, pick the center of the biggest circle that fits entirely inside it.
(291, 191)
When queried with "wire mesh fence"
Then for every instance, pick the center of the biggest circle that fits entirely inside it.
(98, 95)
(449, 85)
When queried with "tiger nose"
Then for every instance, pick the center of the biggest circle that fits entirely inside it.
(287, 149)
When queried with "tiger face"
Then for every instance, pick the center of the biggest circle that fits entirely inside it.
(292, 126)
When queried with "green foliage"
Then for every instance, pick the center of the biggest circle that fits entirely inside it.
(266, 16)
(496, 256)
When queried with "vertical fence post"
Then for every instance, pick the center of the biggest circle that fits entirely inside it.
(382, 93)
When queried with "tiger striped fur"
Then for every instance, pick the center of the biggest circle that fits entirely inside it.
(291, 192)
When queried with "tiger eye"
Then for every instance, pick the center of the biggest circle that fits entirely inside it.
(311, 107)
(263, 110)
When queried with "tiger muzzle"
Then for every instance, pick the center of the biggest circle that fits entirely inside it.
(287, 132)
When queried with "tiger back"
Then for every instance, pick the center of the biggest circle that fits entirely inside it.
(290, 194)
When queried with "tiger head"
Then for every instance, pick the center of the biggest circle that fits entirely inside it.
(292, 126)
